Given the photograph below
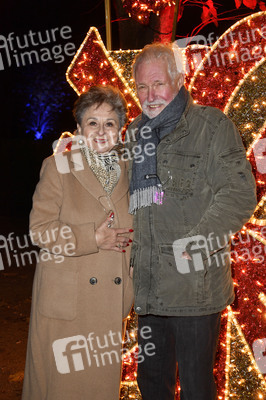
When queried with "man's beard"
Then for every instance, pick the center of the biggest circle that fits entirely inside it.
(152, 113)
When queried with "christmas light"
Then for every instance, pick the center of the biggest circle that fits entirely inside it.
(63, 141)
(99, 68)
(254, 94)
(141, 9)
(217, 60)
(262, 298)
(243, 377)
(257, 236)
(260, 211)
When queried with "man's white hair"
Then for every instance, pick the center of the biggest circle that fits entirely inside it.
(170, 52)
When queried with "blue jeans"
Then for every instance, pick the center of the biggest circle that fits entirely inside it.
(190, 342)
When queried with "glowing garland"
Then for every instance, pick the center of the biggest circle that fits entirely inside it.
(140, 9)
(262, 298)
(220, 71)
(81, 76)
(247, 109)
(258, 137)
(237, 89)
(256, 235)
(63, 141)
(252, 107)
(260, 210)
(241, 366)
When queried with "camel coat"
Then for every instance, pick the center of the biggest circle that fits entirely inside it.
(81, 294)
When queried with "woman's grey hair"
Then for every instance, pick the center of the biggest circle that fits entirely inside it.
(97, 95)
(169, 52)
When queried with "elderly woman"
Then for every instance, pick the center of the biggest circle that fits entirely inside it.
(82, 288)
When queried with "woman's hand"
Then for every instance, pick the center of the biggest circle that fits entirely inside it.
(108, 238)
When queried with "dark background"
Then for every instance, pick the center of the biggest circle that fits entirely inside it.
(27, 91)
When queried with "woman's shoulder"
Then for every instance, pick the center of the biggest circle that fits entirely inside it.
(57, 162)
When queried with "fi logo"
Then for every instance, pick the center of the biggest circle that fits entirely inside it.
(260, 155)
(188, 255)
(4, 46)
(259, 349)
(71, 354)
(60, 157)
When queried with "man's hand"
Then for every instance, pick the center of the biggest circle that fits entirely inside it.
(186, 255)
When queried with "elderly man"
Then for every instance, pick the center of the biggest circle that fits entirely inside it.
(189, 195)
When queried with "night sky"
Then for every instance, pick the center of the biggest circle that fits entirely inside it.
(27, 91)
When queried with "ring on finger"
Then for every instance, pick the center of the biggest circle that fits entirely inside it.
(119, 246)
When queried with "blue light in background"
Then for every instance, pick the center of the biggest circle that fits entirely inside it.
(46, 96)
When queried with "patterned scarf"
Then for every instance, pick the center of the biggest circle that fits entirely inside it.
(104, 166)
(145, 186)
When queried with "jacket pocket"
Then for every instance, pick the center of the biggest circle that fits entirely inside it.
(236, 168)
(175, 289)
(58, 293)
(178, 173)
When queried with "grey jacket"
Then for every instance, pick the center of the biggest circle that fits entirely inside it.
(209, 193)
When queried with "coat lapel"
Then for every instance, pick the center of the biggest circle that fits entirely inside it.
(81, 170)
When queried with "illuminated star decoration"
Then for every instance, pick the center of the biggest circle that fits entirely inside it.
(237, 89)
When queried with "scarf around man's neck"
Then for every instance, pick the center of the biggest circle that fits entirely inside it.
(145, 186)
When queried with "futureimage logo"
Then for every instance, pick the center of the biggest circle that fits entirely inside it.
(260, 155)
(193, 245)
(195, 253)
(18, 250)
(77, 353)
(71, 354)
(78, 142)
(249, 43)
(259, 349)
(12, 47)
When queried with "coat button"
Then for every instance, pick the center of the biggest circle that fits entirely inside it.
(93, 281)
(138, 309)
(118, 280)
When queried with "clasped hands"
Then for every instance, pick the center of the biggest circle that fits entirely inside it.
(108, 238)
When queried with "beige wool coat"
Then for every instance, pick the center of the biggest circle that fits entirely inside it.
(81, 294)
